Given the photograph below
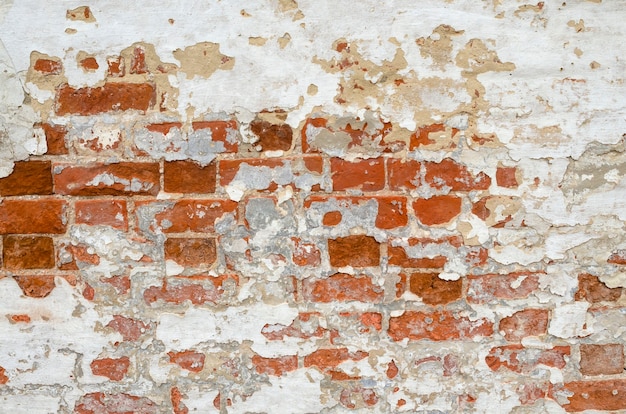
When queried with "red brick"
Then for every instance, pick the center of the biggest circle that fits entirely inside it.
(190, 360)
(191, 215)
(518, 359)
(125, 178)
(101, 403)
(221, 131)
(138, 61)
(55, 138)
(189, 177)
(32, 216)
(114, 369)
(433, 290)
(89, 64)
(176, 397)
(398, 257)
(48, 66)
(115, 67)
(392, 370)
(591, 289)
(486, 288)
(342, 288)
(272, 137)
(305, 254)
(110, 97)
(28, 178)
(305, 326)
(606, 359)
(130, 329)
(447, 173)
(228, 169)
(35, 286)
(177, 294)
(275, 366)
(607, 395)
(528, 322)
(28, 252)
(3, 377)
(102, 213)
(437, 326)
(21, 318)
(332, 218)
(191, 252)
(366, 175)
(506, 177)
(437, 209)
(618, 257)
(392, 211)
(330, 358)
(355, 251)
(421, 136)
(349, 396)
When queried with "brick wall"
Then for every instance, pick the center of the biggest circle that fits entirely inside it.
(337, 261)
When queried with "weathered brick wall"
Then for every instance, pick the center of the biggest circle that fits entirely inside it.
(419, 232)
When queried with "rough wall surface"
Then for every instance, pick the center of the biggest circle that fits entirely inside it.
(312, 206)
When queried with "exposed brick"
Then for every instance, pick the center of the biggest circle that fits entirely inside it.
(330, 358)
(35, 286)
(392, 210)
(355, 251)
(591, 289)
(366, 175)
(191, 252)
(130, 329)
(138, 61)
(106, 98)
(519, 359)
(618, 257)
(89, 64)
(437, 326)
(28, 252)
(398, 257)
(421, 137)
(28, 178)
(55, 138)
(3, 377)
(190, 360)
(606, 359)
(607, 395)
(191, 215)
(306, 254)
(102, 213)
(341, 287)
(275, 366)
(305, 326)
(224, 131)
(528, 322)
(487, 288)
(392, 370)
(48, 66)
(125, 178)
(115, 67)
(410, 174)
(32, 216)
(176, 397)
(179, 293)
(98, 402)
(114, 369)
(437, 209)
(21, 318)
(434, 290)
(272, 137)
(506, 177)
(332, 218)
(189, 177)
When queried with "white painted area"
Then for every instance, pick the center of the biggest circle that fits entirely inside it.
(238, 324)
(569, 320)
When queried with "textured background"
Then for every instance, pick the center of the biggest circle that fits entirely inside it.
(312, 206)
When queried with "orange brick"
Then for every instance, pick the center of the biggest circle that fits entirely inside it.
(366, 175)
(102, 213)
(28, 178)
(355, 251)
(107, 98)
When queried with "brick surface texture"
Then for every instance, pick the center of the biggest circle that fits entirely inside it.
(367, 216)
